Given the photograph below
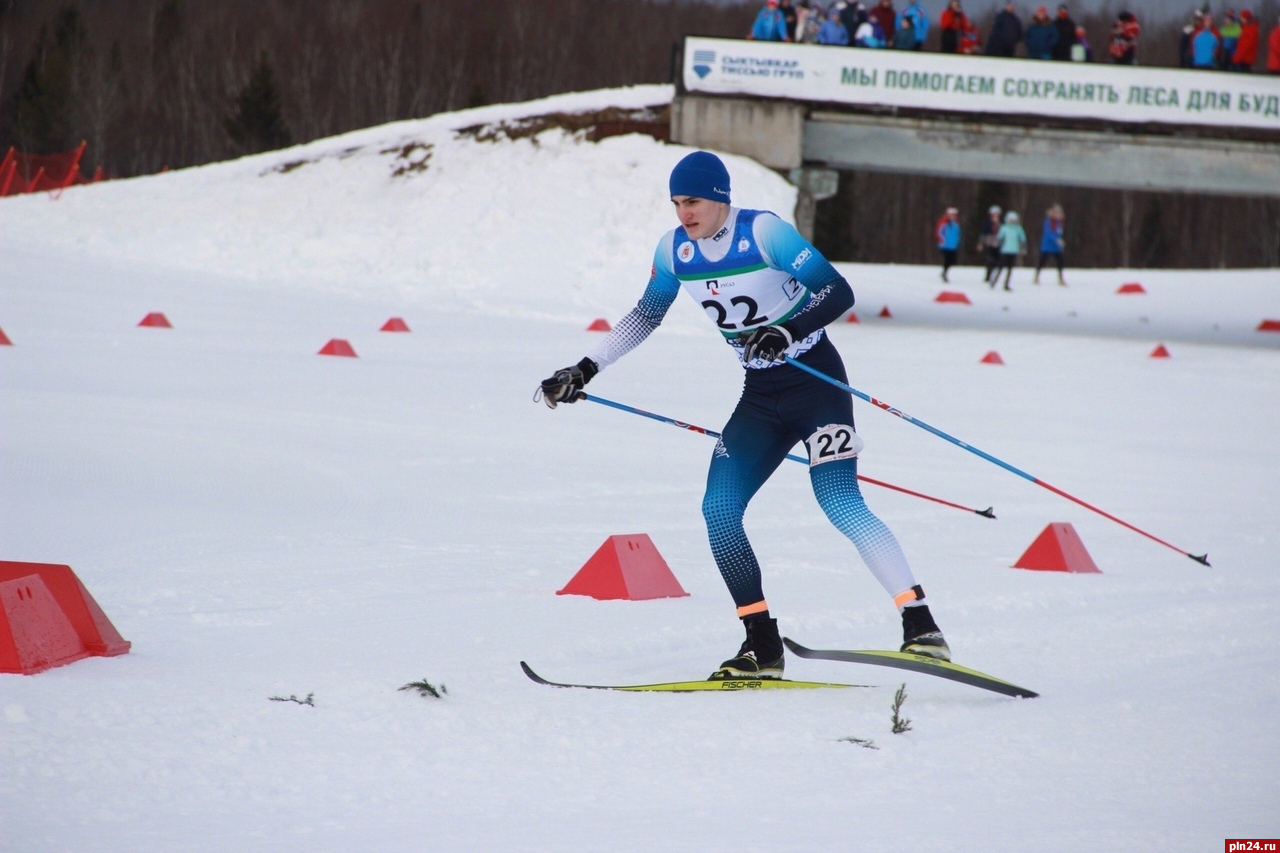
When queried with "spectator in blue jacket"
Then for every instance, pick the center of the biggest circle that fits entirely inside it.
(1052, 241)
(1006, 32)
(833, 31)
(1042, 36)
(947, 233)
(770, 25)
(1205, 45)
(916, 18)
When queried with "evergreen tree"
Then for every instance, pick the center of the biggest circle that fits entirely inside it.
(258, 122)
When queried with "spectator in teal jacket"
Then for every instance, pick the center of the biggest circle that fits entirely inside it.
(1205, 45)
(770, 25)
(1013, 243)
(833, 31)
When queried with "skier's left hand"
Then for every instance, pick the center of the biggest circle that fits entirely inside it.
(566, 384)
(767, 342)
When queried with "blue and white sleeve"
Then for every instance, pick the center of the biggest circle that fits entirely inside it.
(631, 331)
(784, 249)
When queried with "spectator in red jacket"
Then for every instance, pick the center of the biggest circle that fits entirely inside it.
(1273, 52)
(1246, 54)
(1124, 39)
(952, 23)
(885, 15)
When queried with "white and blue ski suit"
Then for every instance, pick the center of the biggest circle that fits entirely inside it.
(756, 271)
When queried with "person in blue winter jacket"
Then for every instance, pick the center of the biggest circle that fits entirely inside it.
(1205, 44)
(1041, 36)
(771, 294)
(770, 25)
(1053, 242)
(947, 234)
(916, 18)
(1013, 244)
(833, 30)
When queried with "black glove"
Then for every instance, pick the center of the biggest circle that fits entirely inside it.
(767, 342)
(567, 383)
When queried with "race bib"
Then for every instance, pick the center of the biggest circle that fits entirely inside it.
(836, 441)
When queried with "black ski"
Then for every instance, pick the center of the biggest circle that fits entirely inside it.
(915, 663)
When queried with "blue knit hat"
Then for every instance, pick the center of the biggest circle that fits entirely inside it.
(701, 175)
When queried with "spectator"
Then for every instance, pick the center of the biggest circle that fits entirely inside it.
(812, 17)
(769, 24)
(1052, 241)
(1013, 244)
(947, 233)
(917, 18)
(1273, 51)
(1246, 54)
(1066, 34)
(1081, 51)
(790, 17)
(1042, 36)
(1206, 44)
(833, 30)
(1189, 31)
(970, 38)
(884, 15)
(905, 38)
(1230, 33)
(853, 15)
(988, 244)
(869, 35)
(1006, 32)
(952, 24)
(1124, 39)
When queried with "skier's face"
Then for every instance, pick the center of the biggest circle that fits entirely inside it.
(700, 217)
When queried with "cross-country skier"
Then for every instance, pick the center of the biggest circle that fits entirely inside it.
(771, 293)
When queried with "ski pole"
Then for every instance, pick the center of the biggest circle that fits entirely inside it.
(989, 512)
(1201, 558)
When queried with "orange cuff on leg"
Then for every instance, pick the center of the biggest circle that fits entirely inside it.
(759, 607)
(905, 597)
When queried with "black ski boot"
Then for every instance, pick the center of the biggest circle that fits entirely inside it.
(761, 656)
(921, 635)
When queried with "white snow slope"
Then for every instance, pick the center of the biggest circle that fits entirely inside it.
(261, 521)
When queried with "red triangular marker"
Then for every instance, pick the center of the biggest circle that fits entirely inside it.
(1160, 352)
(1269, 326)
(627, 567)
(395, 324)
(599, 324)
(852, 318)
(952, 296)
(884, 312)
(4, 339)
(156, 320)
(1131, 287)
(1058, 549)
(338, 346)
(992, 357)
(48, 618)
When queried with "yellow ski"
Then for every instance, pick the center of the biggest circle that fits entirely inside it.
(722, 684)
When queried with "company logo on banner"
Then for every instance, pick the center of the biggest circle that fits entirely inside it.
(1119, 93)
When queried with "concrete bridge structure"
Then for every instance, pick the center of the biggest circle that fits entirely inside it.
(810, 111)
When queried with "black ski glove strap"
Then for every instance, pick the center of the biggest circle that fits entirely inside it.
(567, 383)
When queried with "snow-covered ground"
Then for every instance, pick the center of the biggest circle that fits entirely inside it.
(261, 521)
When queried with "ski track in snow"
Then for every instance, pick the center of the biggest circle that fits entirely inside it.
(260, 521)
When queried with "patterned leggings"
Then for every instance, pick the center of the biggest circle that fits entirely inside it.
(781, 406)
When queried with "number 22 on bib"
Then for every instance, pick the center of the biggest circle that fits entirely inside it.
(833, 442)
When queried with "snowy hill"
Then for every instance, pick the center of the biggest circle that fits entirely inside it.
(260, 521)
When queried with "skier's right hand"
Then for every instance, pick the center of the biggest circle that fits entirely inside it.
(566, 384)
